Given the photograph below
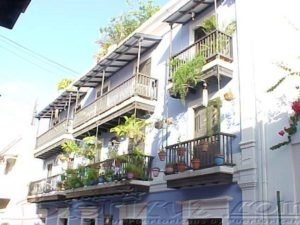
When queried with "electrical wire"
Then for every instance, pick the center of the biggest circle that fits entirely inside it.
(27, 60)
(36, 54)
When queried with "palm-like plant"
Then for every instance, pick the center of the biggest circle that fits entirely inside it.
(133, 128)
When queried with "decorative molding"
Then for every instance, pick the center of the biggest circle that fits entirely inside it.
(247, 144)
(248, 185)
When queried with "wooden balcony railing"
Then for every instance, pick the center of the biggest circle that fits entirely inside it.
(140, 85)
(213, 44)
(44, 186)
(54, 132)
(118, 172)
(219, 144)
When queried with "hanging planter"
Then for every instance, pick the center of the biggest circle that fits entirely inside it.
(228, 96)
(181, 151)
(155, 171)
(159, 124)
(204, 146)
(169, 169)
(162, 155)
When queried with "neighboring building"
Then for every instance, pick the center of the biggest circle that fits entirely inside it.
(231, 184)
(17, 168)
(10, 11)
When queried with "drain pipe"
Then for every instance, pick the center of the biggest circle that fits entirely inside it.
(278, 207)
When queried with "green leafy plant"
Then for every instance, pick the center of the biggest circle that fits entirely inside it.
(121, 26)
(133, 128)
(186, 74)
(64, 83)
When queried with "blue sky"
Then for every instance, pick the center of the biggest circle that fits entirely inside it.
(62, 30)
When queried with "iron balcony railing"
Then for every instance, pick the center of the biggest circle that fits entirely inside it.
(118, 169)
(206, 149)
(140, 85)
(54, 132)
(44, 186)
(211, 45)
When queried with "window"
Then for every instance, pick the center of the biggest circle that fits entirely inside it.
(207, 119)
(213, 221)
(63, 221)
(88, 221)
(104, 91)
(199, 33)
(132, 222)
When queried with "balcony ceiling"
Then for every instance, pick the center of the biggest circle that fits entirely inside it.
(126, 52)
(184, 13)
(61, 102)
(10, 11)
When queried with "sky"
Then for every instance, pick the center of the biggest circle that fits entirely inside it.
(64, 31)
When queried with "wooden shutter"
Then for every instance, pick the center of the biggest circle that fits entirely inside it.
(200, 122)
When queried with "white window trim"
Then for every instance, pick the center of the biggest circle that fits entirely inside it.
(63, 214)
(89, 213)
(212, 208)
(133, 211)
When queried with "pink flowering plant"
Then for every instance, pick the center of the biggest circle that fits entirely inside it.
(292, 129)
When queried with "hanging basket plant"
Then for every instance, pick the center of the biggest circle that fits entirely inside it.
(186, 75)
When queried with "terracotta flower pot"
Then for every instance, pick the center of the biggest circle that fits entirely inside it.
(181, 167)
(204, 146)
(195, 163)
(169, 169)
(162, 155)
(155, 171)
(181, 151)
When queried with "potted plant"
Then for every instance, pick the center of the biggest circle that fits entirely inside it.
(108, 176)
(181, 166)
(186, 74)
(169, 168)
(204, 146)
(219, 159)
(159, 124)
(130, 168)
(155, 171)
(195, 163)
(162, 155)
(181, 151)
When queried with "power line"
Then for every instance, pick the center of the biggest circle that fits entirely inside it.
(25, 59)
(39, 55)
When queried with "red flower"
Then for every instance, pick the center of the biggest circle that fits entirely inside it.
(296, 107)
(281, 133)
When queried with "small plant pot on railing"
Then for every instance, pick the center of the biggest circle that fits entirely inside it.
(219, 160)
(162, 155)
(130, 175)
(181, 166)
(169, 169)
(155, 171)
(195, 163)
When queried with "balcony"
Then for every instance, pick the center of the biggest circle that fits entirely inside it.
(112, 178)
(216, 48)
(49, 142)
(136, 93)
(216, 164)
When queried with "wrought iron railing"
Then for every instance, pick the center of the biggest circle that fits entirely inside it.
(141, 163)
(213, 44)
(206, 149)
(44, 186)
(118, 169)
(140, 85)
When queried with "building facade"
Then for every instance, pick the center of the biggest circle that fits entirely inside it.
(198, 89)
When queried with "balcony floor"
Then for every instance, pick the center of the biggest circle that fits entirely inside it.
(106, 189)
(207, 176)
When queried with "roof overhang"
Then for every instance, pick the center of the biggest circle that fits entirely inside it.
(10, 11)
(61, 102)
(126, 52)
(189, 10)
